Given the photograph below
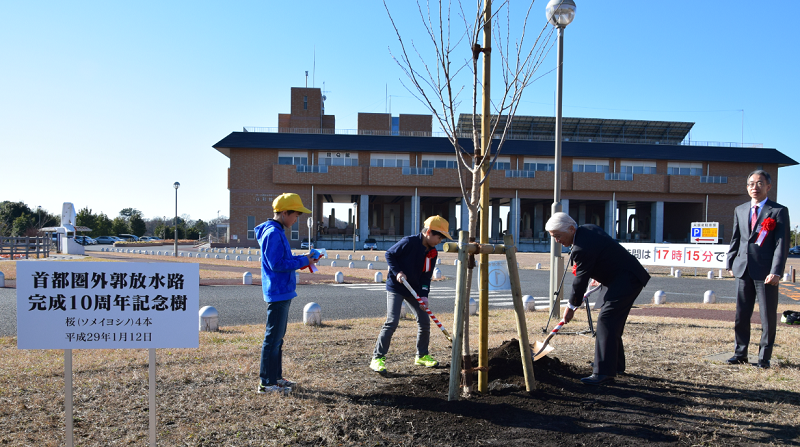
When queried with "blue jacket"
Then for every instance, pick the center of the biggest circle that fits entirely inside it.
(277, 263)
(408, 256)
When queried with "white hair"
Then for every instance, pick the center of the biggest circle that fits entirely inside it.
(560, 222)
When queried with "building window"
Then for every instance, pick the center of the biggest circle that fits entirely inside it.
(585, 165)
(417, 171)
(292, 158)
(296, 230)
(439, 162)
(623, 176)
(538, 164)
(678, 168)
(388, 160)
(714, 179)
(637, 167)
(520, 174)
(305, 102)
(251, 225)
(337, 159)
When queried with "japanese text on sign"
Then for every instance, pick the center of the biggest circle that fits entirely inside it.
(102, 305)
(679, 255)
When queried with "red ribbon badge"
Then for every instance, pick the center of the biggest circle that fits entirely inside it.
(766, 226)
(429, 260)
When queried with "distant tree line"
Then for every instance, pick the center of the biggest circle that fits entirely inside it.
(18, 219)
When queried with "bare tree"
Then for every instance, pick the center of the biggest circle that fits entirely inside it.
(441, 77)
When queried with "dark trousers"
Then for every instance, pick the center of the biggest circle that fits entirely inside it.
(272, 348)
(609, 353)
(748, 291)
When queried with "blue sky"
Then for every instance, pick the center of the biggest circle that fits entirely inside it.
(117, 100)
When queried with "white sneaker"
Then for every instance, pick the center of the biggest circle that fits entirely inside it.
(264, 389)
(286, 383)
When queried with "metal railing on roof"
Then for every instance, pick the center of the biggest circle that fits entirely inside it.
(523, 137)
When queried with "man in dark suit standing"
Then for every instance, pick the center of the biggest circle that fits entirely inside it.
(757, 256)
(603, 259)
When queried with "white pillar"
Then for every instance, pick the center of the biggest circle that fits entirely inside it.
(515, 217)
(363, 220)
(657, 222)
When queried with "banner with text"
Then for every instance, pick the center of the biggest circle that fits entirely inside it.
(107, 305)
(679, 255)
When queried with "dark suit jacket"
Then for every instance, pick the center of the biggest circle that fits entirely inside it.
(598, 256)
(745, 255)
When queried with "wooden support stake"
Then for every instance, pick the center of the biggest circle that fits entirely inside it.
(461, 304)
(519, 310)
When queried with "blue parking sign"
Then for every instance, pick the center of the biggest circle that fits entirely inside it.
(696, 232)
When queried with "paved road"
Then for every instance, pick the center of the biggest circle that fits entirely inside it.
(240, 305)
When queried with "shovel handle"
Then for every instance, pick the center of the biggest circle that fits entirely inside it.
(562, 322)
(424, 307)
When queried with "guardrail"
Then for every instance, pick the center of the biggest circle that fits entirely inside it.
(17, 247)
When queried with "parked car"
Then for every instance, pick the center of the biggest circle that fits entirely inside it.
(107, 239)
(146, 239)
(370, 244)
(85, 240)
(304, 245)
(795, 250)
(129, 237)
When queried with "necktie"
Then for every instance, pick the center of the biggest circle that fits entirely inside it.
(754, 218)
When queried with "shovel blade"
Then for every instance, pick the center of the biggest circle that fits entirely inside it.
(538, 347)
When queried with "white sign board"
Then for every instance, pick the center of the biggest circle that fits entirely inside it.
(107, 305)
(498, 276)
(679, 255)
(705, 233)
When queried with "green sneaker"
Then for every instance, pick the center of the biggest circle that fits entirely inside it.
(378, 364)
(426, 361)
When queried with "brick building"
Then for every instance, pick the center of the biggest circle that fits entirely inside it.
(640, 180)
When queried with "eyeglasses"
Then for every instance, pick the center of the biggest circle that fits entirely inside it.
(754, 184)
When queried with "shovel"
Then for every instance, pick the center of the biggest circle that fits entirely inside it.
(426, 309)
(542, 348)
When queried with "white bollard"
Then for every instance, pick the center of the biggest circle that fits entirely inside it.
(787, 277)
(337, 256)
(473, 306)
(216, 256)
(312, 314)
(677, 273)
(209, 319)
(376, 259)
(351, 265)
(378, 277)
(333, 263)
(710, 274)
(659, 297)
(180, 254)
(672, 271)
(208, 255)
(438, 260)
(339, 277)
(369, 266)
(237, 258)
(455, 262)
(538, 266)
(249, 258)
(719, 274)
(158, 253)
(709, 297)
(247, 278)
(528, 303)
(2, 279)
(363, 258)
(437, 274)
(297, 276)
(227, 258)
(349, 257)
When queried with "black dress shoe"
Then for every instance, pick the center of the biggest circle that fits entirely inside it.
(619, 371)
(597, 379)
(737, 360)
(762, 364)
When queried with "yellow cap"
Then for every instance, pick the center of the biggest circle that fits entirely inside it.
(440, 224)
(289, 202)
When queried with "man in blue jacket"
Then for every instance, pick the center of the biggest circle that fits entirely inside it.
(413, 259)
(278, 284)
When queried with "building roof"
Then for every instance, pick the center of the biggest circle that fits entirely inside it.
(532, 148)
(534, 127)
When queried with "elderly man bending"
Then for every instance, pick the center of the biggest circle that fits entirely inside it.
(601, 258)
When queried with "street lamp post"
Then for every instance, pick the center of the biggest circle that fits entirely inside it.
(217, 225)
(176, 185)
(560, 14)
(355, 224)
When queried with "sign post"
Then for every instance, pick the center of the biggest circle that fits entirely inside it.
(705, 232)
(107, 305)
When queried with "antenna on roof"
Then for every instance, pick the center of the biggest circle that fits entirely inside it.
(306, 78)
